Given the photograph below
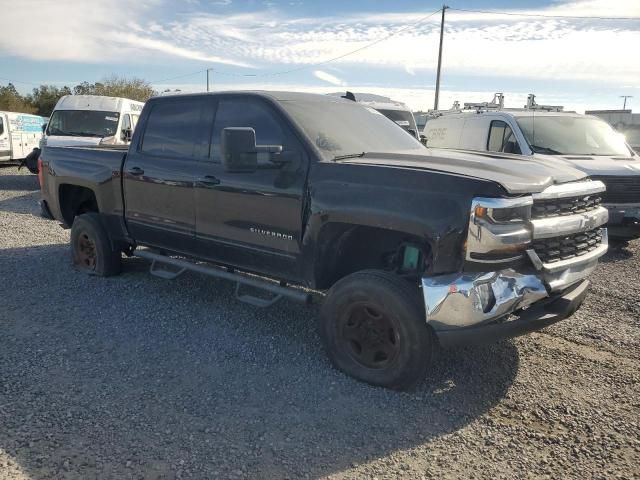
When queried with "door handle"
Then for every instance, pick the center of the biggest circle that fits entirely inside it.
(209, 180)
(136, 171)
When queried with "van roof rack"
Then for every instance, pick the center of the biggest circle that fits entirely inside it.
(496, 104)
(532, 105)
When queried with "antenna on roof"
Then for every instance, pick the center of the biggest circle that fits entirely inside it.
(532, 105)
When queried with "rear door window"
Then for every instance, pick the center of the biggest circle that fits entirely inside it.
(177, 128)
(501, 138)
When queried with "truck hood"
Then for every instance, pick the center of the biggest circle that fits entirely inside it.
(516, 174)
(594, 165)
(65, 141)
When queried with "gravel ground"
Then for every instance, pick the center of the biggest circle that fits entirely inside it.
(138, 377)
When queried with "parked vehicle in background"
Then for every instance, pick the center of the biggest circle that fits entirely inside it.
(396, 111)
(624, 121)
(547, 133)
(409, 250)
(20, 133)
(79, 120)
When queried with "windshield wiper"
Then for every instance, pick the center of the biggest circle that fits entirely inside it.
(350, 155)
(539, 149)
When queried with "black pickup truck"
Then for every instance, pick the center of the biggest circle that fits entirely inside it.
(314, 197)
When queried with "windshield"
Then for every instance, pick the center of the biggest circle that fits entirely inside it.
(83, 123)
(568, 135)
(633, 136)
(347, 128)
(401, 117)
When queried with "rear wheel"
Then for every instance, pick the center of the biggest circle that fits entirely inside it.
(91, 249)
(373, 327)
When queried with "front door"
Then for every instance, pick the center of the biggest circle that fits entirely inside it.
(252, 219)
(160, 172)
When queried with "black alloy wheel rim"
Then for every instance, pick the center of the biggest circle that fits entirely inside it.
(370, 336)
(86, 251)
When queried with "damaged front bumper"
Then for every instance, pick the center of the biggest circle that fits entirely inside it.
(484, 307)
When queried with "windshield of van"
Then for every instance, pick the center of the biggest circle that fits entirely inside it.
(83, 123)
(401, 117)
(632, 136)
(346, 128)
(569, 135)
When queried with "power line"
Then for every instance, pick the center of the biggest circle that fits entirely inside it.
(178, 76)
(492, 12)
(312, 65)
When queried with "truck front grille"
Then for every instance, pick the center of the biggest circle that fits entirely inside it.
(621, 189)
(556, 207)
(555, 249)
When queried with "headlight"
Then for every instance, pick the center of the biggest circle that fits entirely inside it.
(498, 230)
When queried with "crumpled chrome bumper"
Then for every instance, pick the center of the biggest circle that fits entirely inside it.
(475, 308)
(463, 300)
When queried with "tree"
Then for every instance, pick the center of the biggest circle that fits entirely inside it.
(114, 86)
(12, 101)
(45, 97)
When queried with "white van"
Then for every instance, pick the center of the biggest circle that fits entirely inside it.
(81, 120)
(398, 112)
(20, 133)
(547, 133)
(92, 120)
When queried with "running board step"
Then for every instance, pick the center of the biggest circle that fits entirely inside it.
(163, 270)
(181, 265)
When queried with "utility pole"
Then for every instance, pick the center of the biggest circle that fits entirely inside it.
(625, 100)
(208, 77)
(435, 103)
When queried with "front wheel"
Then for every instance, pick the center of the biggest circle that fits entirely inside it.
(373, 327)
(91, 249)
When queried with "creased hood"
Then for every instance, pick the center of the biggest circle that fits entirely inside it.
(517, 174)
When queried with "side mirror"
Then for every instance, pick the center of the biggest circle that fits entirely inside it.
(413, 133)
(44, 127)
(240, 152)
(126, 135)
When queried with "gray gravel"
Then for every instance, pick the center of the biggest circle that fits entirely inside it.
(137, 377)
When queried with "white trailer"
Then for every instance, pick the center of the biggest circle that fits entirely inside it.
(20, 133)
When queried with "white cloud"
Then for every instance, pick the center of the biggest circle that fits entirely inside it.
(327, 77)
(475, 44)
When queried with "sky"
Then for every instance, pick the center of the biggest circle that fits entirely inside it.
(581, 63)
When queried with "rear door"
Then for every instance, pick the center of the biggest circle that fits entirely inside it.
(160, 173)
(252, 219)
(5, 142)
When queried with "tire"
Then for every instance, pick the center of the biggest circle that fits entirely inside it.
(91, 249)
(373, 327)
(31, 161)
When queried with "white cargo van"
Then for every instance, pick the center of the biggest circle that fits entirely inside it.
(81, 120)
(398, 112)
(20, 133)
(92, 120)
(547, 133)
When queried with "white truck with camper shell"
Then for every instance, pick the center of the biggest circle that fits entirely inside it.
(20, 133)
(86, 120)
(546, 133)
